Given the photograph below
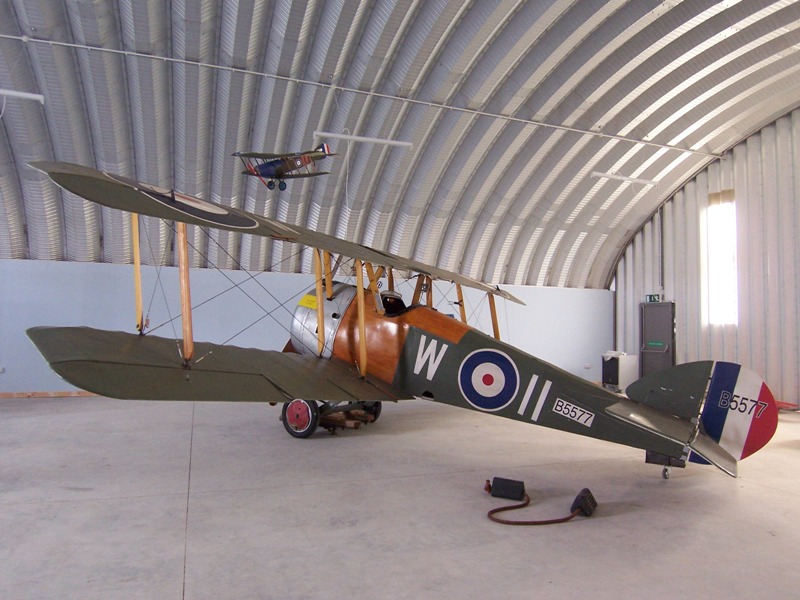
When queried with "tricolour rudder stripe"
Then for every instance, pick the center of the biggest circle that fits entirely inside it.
(760, 435)
(723, 382)
(740, 412)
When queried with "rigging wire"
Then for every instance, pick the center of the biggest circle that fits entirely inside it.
(159, 282)
(234, 285)
(251, 276)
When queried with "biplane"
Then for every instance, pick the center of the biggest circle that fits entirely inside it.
(271, 168)
(354, 347)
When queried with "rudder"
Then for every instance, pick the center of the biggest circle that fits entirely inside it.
(739, 412)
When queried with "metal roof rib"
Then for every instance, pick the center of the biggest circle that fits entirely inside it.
(510, 105)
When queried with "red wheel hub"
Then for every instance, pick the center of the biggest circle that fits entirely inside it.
(298, 415)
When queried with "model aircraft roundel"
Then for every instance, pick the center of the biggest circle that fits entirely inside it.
(488, 379)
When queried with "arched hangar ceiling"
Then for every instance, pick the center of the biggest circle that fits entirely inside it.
(512, 108)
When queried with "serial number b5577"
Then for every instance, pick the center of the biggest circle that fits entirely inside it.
(575, 413)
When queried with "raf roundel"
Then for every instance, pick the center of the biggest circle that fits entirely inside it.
(488, 379)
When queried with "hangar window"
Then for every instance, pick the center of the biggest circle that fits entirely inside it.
(722, 282)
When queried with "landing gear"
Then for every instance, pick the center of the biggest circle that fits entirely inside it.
(372, 410)
(667, 462)
(300, 417)
(271, 185)
(281, 185)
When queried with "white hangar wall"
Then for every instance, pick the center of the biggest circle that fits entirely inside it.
(670, 256)
(567, 327)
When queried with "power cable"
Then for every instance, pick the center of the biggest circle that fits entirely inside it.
(584, 502)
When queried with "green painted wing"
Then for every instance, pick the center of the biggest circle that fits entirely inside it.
(136, 367)
(133, 196)
(265, 155)
(303, 175)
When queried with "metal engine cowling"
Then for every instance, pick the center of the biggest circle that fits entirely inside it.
(304, 321)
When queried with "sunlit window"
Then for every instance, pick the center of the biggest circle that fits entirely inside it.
(723, 293)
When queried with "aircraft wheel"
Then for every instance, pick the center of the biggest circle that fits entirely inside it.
(373, 409)
(271, 185)
(281, 185)
(300, 417)
(665, 473)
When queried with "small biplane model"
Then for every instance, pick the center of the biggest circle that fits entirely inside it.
(352, 349)
(270, 168)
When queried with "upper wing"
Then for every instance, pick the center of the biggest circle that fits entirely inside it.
(264, 155)
(122, 193)
(136, 367)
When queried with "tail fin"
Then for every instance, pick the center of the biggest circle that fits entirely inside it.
(733, 410)
(739, 413)
(325, 149)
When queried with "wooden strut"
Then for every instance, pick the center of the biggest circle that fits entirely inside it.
(362, 323)
(373, 288)
(429, 293)
(326, 263)
(186, 296)
(137, 272)
(461, 308)
(493, 311)
(418, 289)
(320, 300)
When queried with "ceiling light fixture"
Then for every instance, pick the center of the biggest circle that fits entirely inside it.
(624, 178)
(358, 138)
(22, 95)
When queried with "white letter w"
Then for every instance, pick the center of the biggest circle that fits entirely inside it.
(428, 355)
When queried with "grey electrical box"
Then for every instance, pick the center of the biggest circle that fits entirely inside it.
(619, 370)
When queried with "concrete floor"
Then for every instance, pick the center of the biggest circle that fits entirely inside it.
(114, 499)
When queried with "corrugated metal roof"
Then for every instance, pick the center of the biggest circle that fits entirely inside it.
(512, 107)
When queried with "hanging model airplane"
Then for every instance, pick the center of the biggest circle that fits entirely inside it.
(270, 168)
(353, 349)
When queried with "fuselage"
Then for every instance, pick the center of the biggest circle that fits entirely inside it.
(277, 168)
(431, 355)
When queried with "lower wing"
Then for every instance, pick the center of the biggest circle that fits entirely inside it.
(136, 367)
(300, 175)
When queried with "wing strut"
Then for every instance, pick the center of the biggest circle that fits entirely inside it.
(137, 272)
(429, 291)
(373, 288)
(326, 263)
(418, 289)
(320, 307)
(362, 323)
(461, 308)
(493, 310)
(186, 296)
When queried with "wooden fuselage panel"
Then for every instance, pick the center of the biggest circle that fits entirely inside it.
(386, 335)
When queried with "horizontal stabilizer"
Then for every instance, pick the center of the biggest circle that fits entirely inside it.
(653, 420)
(146, 367)
(679, 391)
(711, 451)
